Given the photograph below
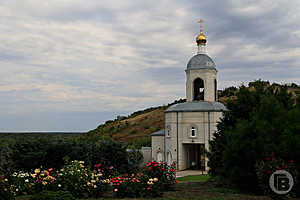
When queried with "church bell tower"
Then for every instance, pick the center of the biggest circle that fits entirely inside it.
(201, 73)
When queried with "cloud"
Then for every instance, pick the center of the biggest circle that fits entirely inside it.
(85, 56)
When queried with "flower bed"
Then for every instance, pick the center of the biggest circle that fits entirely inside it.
(84, 182)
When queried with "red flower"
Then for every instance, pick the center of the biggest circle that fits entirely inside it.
(283, 166)
(292, 161)
(149, 188)
(149, 168)
(272, 154)
(30, 186)
(98, 165)
(267, 158)
(50, 169)
(111, 167)
(269, 172)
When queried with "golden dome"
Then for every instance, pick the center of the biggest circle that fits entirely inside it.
(201, 39)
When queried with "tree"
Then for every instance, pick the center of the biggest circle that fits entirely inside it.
(262, 119)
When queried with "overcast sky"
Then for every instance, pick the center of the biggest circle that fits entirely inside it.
(69, 65)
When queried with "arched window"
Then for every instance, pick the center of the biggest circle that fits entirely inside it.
(198, 89)
(216, 90)
(159, 157)
(169, 158)
(193, 132)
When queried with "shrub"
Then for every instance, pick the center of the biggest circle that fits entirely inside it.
(51, 195)
(126, 187)
(266, 167)
(154, 178)
(165, 174)
(81, 181)
(5, 189)
(261, 119)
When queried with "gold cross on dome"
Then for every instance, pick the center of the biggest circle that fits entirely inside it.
(201, 21)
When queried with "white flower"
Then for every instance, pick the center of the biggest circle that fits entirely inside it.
(59, 185)
(26, 180)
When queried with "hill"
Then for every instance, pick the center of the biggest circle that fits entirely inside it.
(135, 128)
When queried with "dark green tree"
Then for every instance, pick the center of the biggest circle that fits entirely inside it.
(262, 119)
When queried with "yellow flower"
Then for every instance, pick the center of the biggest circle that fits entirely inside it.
(37, 171)
(44, 183)
(155, 179)
(33, 175)
(6, 180)
(150, 179)
(150, 183)
(95, 186)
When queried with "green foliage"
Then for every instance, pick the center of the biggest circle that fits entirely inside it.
(166, 174)
(151, 182)
(51, 195)
(81, 181)
(135, 158)
(262, 119)
(134, 131)
(265, 168)
(6, 190)
(6, 161)
(140, 142)
(30, 154)
(230, 91)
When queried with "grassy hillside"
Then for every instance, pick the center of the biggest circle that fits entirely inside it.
(136, 128)
(132, 129)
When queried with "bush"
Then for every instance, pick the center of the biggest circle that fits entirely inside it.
(31, 154)
(51, 195)
(261, 119)
(266, 167)
(165, 174)
(154, 178)
(81, 181)
(6, 192)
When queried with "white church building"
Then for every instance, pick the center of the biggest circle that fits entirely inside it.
(190, 126)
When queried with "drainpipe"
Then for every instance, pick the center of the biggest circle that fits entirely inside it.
(208, 134)
(165, 142)
(208, 127)
(177, 140)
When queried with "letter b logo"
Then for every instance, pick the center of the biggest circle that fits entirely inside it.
(281, 182)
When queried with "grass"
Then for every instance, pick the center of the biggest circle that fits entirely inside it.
(196, 178)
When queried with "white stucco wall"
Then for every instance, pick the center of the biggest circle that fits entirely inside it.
(200, 120)
(157, 144)
(208, 76)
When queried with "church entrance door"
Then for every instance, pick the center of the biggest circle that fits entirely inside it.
(195, 157)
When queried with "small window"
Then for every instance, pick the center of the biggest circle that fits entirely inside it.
(193, 131)
(169, 131)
